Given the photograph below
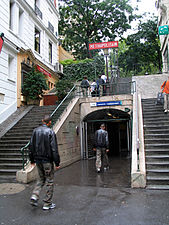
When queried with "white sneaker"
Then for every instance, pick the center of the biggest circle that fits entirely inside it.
(98, 170)
(34, 200)
(165, 111)
(47, 207)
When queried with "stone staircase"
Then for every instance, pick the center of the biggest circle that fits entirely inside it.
(156, 138)
(18, 136)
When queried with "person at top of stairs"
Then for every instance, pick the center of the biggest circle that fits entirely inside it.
(165, 90)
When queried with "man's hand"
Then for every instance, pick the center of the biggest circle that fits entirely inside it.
(107, 150)
(94, 149)
(57, 167)
(33, 164)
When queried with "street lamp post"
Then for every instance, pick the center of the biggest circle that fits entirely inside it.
(106, 53)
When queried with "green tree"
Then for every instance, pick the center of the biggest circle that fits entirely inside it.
(140, 52)
(34, 85)
(83, 22)
(63, 86)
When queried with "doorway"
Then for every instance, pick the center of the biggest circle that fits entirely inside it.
(118, 126)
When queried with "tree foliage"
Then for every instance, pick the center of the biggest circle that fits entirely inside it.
(34, 85)
(63, 86)
(140, 52)
(83, 22)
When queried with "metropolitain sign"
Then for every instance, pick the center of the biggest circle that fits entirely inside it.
(102, 45)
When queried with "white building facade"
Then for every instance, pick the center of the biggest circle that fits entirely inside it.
(163, 19)
(28, 25)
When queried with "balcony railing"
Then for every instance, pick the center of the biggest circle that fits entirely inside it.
(38, 12)
(50, 27)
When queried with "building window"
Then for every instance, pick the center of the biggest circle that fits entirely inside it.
(2, 98)
(49, 84)
(50, 52)
(11, 67)
(37, 40)
(11, 15)
(50, 27)
(165, 63)
(37, 8)
(21, 22)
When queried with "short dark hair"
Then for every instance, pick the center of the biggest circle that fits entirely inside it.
(102, 125)
(47, 119)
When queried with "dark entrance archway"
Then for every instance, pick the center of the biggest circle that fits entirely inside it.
(118, 125)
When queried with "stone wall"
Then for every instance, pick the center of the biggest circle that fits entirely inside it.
(86, 108)
(68, 134)
(149, 85)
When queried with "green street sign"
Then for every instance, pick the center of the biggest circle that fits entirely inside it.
(163, 30)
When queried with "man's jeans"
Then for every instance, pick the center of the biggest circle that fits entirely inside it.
(101, 158)
(166, 103)
(46, 175)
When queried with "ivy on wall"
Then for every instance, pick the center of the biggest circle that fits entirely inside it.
(76, 70)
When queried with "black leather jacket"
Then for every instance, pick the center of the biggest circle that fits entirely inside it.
(43, 146)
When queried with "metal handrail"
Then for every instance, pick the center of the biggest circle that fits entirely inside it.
(63, 100)
(27, 145)
(107, 89)
(23, 155)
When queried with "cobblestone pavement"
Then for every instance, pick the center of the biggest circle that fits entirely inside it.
(84, 197)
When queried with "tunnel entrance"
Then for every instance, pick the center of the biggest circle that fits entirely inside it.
(118, 125)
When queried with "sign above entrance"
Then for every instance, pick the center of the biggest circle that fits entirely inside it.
(43, 71)
(102, 45)
(110, 103)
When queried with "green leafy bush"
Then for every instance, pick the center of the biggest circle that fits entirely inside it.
(63, 87)
(34, 85)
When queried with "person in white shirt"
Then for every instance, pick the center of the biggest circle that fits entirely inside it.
(93, 88)
(104, 77)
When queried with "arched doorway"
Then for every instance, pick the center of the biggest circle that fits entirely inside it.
(118, 125)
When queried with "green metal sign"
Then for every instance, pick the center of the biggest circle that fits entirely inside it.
(163, 30)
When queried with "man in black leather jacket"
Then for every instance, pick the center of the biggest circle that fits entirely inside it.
(43, 151)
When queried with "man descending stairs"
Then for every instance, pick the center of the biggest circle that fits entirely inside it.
(16, 138)
(156, 138)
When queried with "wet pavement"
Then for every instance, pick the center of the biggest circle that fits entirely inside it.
(84, 197)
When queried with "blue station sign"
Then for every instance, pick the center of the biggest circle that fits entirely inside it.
(109, 103)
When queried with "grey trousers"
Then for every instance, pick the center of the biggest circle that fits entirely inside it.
(101, 158)
(46, 176)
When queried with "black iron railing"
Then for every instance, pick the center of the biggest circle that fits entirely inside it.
(38, 12)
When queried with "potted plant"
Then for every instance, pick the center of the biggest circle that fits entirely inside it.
(34, 86)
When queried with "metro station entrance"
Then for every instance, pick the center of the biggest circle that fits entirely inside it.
(118, 125)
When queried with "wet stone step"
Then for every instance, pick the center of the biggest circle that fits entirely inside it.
(156, 136)
(154, 146)
(16, 166)
(11, 160)
(157, 141)
(158, 187)
(8, 172)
